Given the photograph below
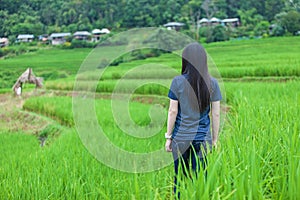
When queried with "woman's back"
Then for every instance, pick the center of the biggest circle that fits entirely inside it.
(191, 123)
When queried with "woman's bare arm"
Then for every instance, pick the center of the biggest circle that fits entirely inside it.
(215, 113)
(173, 110)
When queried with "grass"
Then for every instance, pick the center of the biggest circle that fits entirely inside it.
(271, 57)
(235, 60)
(266, 57)
(60, 109)
(47, 59)
(46, 63)
(65, 171)
(257, 157)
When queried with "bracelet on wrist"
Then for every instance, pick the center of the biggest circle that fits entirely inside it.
(167, 136)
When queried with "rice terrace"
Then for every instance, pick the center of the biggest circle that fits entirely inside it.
(258, 157)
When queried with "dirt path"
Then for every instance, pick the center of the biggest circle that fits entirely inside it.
(14, 119)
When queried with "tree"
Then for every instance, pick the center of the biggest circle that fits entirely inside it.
(273, 7)
(291, 21)
(193, 11)
(3, 21)
(171, 10)
(49, 12)
(295, 4)
(232, 7)
(69, 17)
(63, 15)
(31, 25)
(249, 18)
(84, 24)
(138, 13)
(209, 8)
(221, 6)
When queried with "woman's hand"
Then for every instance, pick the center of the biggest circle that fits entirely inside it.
(168, 145)
(214, 142)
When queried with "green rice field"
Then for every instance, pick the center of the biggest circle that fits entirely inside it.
(257, 157)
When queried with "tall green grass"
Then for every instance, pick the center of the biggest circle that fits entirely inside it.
(265, 57)
(60, 109)
(65, 170)
(258, 156)
(235, 59)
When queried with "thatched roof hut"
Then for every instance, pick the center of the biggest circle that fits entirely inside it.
(27, 76)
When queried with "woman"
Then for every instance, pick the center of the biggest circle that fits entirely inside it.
(192, 95)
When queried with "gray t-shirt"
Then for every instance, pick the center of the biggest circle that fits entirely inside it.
(190, 124)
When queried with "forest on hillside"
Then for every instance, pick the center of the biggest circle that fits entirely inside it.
(44, 17)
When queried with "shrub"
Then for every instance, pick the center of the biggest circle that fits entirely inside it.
(261, 28)
(103, 63)
(54, 75)
(6, 50)
(137, 54)
(50, 130)
(242, 32)
(66, 45)
(19, 49)
(117, 61)
(218, 33)
(116, 75)
(81, 44)
(277, 30)
(203, 31)
(105, 41)
(153, 53)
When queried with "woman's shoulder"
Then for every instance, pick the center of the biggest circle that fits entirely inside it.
(215, 90)
(214, 81)
(179, 78)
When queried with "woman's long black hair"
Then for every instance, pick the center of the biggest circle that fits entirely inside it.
(194, 64)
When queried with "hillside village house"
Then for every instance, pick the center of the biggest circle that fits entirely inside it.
(3, 42)
(25, 38)
(59, 38)
(233, 22)
(82, 35)
(174, 25)
(203, 21)
(96, 34)
(215, 21)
